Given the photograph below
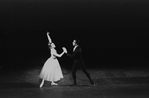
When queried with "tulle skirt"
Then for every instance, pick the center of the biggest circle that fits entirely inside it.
(51, 71)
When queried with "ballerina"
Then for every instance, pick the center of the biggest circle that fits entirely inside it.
(51, 70)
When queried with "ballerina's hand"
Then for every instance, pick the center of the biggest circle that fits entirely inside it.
(64, 49)
(48, 33)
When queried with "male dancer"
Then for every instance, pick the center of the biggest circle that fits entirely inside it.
(78, 62)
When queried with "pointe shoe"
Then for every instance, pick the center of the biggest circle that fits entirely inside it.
(40, 86)
(54, 84)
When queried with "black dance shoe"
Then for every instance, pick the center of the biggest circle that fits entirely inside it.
(74, 84)
(92, 84)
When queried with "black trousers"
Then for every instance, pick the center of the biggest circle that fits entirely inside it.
(79, 63)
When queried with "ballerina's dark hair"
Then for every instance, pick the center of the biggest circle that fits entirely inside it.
(49, 44)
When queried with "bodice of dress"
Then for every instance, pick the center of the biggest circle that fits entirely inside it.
(53, 51)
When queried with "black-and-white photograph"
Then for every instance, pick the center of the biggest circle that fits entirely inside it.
(74, 48)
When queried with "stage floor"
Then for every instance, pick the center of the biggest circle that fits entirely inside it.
(110, 83)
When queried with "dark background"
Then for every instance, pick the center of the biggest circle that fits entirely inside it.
(113, 33)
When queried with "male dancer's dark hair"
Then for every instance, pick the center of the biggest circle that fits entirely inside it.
(77, 41)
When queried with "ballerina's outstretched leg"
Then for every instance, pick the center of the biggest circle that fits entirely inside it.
(42, 83)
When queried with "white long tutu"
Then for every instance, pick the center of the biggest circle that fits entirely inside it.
(51, 71)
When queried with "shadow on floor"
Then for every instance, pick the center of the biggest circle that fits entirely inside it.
(14, 85)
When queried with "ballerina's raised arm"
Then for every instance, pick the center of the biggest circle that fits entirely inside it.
(50, 40)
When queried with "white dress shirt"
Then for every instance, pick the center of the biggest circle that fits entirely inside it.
(75, 48)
